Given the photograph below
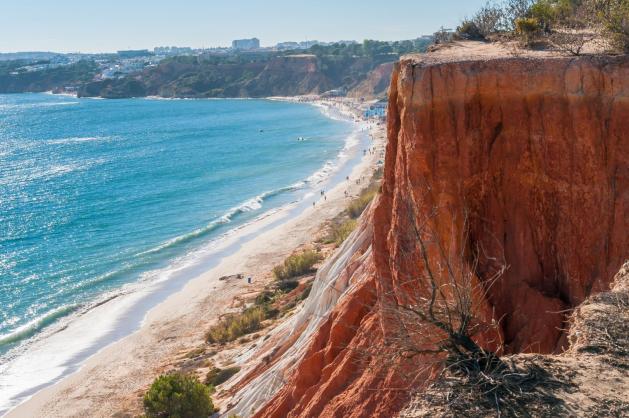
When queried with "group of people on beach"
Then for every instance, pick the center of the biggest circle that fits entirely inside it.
(322, 193)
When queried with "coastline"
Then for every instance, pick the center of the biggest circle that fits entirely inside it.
(170, 316)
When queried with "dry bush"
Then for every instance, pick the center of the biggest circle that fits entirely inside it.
(528, 30)
(523, 389)
(489, 19)
(437, 310)
(571, 42)
(469, 30)
(439, 316)
(514, 10)
(613, 17)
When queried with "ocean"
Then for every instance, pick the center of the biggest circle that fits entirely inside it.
(99, 196)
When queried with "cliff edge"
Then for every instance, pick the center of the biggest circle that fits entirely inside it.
(521, 161)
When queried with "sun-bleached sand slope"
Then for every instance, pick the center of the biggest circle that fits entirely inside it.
(111, 381)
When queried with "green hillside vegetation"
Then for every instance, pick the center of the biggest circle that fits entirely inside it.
(14, 79)
(259, 74)
(245, 74)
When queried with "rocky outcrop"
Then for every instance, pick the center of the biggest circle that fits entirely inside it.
(521, 161)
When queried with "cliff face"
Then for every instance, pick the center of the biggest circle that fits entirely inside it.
(521, 161)
(534, 152)
(375, 85)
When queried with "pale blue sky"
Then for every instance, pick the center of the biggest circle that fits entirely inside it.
(109, 25)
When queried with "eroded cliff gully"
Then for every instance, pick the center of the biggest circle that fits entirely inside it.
(526, 159)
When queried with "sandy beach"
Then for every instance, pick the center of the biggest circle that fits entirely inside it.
(114, 379)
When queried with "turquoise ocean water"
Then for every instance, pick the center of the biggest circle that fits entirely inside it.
(97, 194)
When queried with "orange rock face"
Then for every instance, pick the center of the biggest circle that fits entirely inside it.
(528, 161)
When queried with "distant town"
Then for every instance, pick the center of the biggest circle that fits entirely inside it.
(243, 69)
(122, 63)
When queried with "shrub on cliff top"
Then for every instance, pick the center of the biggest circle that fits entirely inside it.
(297, 265)
(527, 28)
(469, 30)
(613, 16)
(489, 19)
(178, 396)
(514, 10)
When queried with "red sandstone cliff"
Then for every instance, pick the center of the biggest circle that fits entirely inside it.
(535, 153)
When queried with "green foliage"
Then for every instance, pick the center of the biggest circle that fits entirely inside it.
(551, 13)
(515, 10)
(560, 21)
(369, 48)
(235, 326)
(297, 265)
(285, 286)
(264, 298)
(527, 28)
(177, 396)
(543, 12)
(45, 79)
(469, 30)
(340, 231)
(613, 16)
(218, 376)
(356, 207)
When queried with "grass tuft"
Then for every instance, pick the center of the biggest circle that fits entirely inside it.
(235, 326)
(218, 376)
(297, 265)
(356, 207)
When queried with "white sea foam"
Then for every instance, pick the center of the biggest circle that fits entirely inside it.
(32, 327)
(35, 105)
(77, 140)
(250, 205)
